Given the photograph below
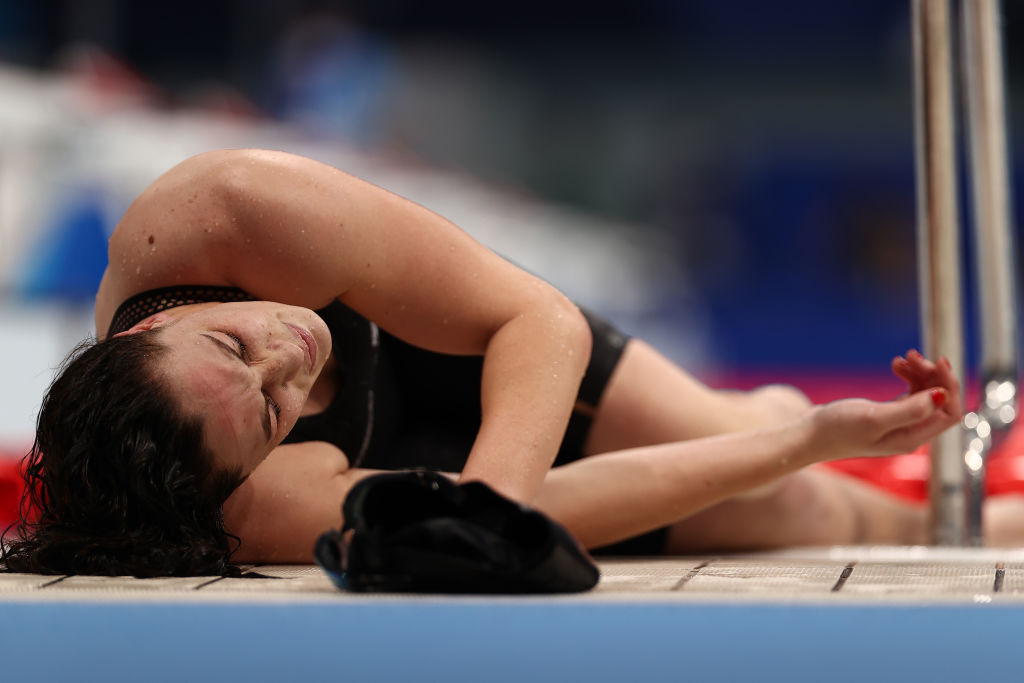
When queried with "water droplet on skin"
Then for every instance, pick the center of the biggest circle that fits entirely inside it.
(138, 269)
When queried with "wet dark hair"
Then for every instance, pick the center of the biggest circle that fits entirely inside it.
(118, 481)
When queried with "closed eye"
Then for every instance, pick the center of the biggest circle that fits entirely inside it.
(272, 404)
(238, 352)
(240, 345)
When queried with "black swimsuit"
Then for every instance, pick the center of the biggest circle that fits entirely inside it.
(397, 406)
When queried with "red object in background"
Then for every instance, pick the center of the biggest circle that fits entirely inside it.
(1006, 467)
(11, 487)
(905, 475)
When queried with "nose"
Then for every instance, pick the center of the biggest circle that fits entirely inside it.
(282, 363)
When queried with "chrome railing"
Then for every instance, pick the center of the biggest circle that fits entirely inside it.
(959, 457)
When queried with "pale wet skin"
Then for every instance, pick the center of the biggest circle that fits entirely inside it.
(246, 369)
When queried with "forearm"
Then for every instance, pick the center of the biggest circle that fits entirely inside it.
(610, 497)
(532, 371)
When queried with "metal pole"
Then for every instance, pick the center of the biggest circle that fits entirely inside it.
(983, 85)
(939, 245)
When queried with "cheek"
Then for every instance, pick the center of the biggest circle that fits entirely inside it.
(294, 402)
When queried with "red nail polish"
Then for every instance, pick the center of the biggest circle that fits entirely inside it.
(938, 397)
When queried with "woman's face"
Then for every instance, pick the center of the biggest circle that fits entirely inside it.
(245, 369)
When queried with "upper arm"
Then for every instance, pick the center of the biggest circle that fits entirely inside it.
(289, 229)
(288, 500)
(307, 233)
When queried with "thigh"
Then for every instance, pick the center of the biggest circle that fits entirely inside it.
(650, 400)
(812, 507)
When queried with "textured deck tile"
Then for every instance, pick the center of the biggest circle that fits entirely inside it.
(766, 577)
(279, 578)
(901, 578)
(644, 575)
(23, 583)
(120, 584)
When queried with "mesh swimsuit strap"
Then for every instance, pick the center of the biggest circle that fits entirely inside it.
(141, 306)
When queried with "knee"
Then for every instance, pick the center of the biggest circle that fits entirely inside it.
(766, 406)
(781, 401)
(821, 512)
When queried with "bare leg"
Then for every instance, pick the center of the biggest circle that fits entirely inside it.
(650, 400)
(1004, 520)
(811, 507)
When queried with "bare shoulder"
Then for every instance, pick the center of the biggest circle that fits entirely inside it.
(168, 235)
(292, 497)
(220, 218)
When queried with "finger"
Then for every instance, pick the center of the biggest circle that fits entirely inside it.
(916, 378)
(906, 439)
(944, 372)
(921, 365)
(945, 378)
(901, 368)
(912, 409)
(921, 373)
(916, 419)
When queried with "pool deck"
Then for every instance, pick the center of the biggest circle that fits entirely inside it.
(826, 576)
(836, 614)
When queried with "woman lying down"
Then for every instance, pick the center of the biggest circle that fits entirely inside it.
(272, 330)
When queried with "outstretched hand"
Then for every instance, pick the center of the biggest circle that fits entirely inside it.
(858, 427)
(920, 373)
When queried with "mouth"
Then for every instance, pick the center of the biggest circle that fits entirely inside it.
(308, 341)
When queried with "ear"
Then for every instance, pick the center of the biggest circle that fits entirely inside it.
(151, 323)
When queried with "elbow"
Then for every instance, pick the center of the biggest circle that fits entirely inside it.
(233, 174)
(574, 332)
(584, 336)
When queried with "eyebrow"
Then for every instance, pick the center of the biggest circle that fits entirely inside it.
(265, 417)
